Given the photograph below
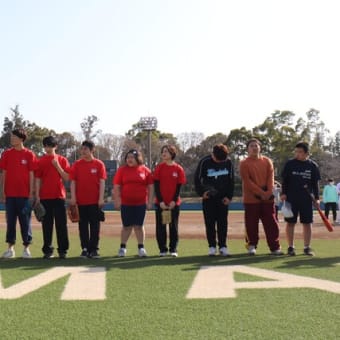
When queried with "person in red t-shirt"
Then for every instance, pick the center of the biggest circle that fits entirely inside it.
(18, 165)
(87, 177)
(50, 191)
(132, 194)
(168, 179)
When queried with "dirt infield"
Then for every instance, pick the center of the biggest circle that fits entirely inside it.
(192, 226)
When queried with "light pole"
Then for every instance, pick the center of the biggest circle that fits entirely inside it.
(148, 124)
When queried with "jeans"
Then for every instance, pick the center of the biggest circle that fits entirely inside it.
(16, 208)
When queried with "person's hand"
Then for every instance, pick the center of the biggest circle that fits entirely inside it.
(317, 203)
(205, 195)
(163, 206)
(149, 206)
(283, 197)
(73, 201)
(172, 205)
(226, 201)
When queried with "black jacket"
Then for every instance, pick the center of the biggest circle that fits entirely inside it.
(215, 177)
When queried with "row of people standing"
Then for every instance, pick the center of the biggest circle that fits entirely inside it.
(26, 179)
(133, 195)
(214, 181)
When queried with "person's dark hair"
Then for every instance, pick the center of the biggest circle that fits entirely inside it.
(20, 133)
(330, 180)
(220, 152)
(136, 154)
(50, 141)
(171, 149)
(303, 145)
(253, 140)
(88, 144)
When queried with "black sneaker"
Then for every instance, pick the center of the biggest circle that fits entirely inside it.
(309, 251)
(291, 251)
(94, 255)
(48, 256)
(62, 256)
(84, 254)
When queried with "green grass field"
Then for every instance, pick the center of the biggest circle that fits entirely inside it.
(146, 298)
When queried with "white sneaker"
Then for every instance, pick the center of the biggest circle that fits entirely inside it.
(163, 254)
(122, 252)
(142, 252)
(212, 251)
(224, 251)
(173, 254)
(277, 252)
(9, 254)
(26, 254)
(251, 250)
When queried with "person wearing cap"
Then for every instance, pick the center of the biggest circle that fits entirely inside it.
(132, 195)
(87, 176)
(330, 198)
(168, 177)
(214, 182)
(18, 165)
(300, 179)
(257, 174)
(52, 170)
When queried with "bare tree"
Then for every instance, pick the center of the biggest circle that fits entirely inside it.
(187, 140)
(87, 127)
(114, 143)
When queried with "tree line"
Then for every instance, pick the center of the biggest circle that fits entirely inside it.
(278, 133)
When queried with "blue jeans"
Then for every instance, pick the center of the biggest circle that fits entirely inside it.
(16, 208)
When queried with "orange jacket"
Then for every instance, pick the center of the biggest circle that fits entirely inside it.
(257, 179)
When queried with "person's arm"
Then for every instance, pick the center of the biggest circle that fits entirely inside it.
(3, 179)
(315, 184)
(73, 193)
(199, 188)
(231, 186)
(248, 182)
(150, 196)
(116, 196)
(101, 192)
(31, 184)
(158, 191)
(284, 184)
(64, 175)
(37, 188)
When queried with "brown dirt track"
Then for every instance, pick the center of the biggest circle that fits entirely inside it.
(192, 226)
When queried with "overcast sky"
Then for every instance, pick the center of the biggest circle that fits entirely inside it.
(198, 65)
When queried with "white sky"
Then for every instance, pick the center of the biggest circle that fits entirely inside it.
(198, 65)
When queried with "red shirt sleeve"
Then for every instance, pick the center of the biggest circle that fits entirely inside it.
(181, 176)
(156, 173)
(32, 162)
(149, 177)
(102, 170)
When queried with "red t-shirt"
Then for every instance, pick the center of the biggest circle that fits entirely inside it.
(87, 175)
(52, 185)
(18, 164)
(169, 176)
(134, 182)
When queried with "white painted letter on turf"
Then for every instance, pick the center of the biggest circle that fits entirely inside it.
(84, 283)
(212, 282)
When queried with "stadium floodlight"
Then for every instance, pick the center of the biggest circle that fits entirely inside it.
(148, 124)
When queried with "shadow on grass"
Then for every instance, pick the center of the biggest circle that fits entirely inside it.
(192, 262)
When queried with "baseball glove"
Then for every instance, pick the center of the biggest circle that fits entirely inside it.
(73, 213)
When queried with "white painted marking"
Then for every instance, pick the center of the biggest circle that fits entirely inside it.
(84, 283)
(213, 282)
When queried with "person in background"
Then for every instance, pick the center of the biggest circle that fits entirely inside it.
(300, 179)
(214, 182)
(277, 199)
(168, 179)
(133, 195)
(257, 174)
(338, 191)
(330, 198)
(18, 165)
(87, 177)
(52, 170)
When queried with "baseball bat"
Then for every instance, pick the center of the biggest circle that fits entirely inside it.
(324, 219)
